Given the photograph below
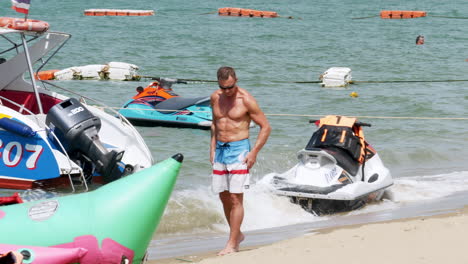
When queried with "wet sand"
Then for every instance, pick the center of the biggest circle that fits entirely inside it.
(425, 239)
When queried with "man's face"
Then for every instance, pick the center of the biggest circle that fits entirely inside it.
(229, 86)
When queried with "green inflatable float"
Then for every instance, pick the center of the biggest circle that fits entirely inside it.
(114, 223)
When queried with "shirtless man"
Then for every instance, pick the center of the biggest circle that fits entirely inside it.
(230, 154)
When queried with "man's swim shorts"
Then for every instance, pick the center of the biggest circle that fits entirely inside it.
(230, 173)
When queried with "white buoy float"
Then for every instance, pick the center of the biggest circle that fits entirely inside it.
(336, 77)
(119, 71)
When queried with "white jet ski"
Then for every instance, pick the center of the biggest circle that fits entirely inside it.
(337, 171)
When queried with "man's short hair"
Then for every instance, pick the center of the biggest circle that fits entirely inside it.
(224, 73)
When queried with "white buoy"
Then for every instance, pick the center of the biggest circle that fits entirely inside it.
(91, 72)
(121, 71)
(67, 74)
(336, 77)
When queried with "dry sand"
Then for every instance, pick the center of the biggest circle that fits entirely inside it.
(440, 239)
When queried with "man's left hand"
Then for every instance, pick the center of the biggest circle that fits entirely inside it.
(250, 160)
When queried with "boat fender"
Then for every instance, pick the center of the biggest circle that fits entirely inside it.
(16, 127)
(22, 24)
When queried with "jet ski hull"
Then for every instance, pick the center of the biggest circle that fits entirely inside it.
(321, 186)
(195, 116)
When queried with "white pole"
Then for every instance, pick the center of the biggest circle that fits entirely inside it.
(31, 73)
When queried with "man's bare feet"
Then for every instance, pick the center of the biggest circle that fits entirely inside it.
(241, 238)
(229, 249)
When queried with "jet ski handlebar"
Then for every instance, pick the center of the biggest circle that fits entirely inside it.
(168, 80)
(358, 123)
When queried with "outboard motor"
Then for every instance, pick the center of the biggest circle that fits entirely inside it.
(77, 129)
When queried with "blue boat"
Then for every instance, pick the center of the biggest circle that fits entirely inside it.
(158, 105)
(48, 139)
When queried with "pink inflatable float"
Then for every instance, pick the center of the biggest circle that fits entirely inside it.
(46, 255)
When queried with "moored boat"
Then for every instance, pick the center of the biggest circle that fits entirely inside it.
(49, 139)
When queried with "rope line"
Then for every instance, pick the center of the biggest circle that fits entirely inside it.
(449, 17)
(427, 15)
(379, 117)
(389, 81)
(406, 81)
(308, 115)
(351, 82)
(365, 17)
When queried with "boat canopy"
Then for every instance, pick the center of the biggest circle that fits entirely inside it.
(14, 63)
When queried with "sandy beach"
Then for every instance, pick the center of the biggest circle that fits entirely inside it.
(435, 239)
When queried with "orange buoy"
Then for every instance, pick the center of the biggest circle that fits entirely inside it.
(22, 24)
(401, 14)
(45, 75)
(234, 11)
(118, 12)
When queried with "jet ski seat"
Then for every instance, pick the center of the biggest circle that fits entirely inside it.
(177, 103)
(344, 159)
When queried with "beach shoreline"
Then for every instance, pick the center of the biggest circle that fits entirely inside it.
(439, 238)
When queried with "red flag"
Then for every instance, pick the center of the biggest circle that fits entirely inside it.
(21, 6)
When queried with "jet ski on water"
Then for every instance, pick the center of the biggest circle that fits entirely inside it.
(337, 171)
(159, 105)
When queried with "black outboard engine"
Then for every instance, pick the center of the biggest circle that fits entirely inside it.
(77, 129)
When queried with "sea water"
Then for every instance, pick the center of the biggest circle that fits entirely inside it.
(187, 39)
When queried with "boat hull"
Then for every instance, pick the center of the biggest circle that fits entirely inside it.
(114, 222)
(321, 186)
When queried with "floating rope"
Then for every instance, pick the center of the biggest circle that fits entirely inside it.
(103, 106)
(406, 81)
(365, 17)
(179, 79)
(450, 17)
(322, 115)
(389, 81)
(305, 82)
(379, 117)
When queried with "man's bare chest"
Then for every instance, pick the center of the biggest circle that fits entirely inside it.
(233, 111)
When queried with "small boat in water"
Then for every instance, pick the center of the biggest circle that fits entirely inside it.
(159, 105)
(114, 223)
(337, 171)
(48, 139)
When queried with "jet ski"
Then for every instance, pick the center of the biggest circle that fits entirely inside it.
(159, 105)
(337, 171)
